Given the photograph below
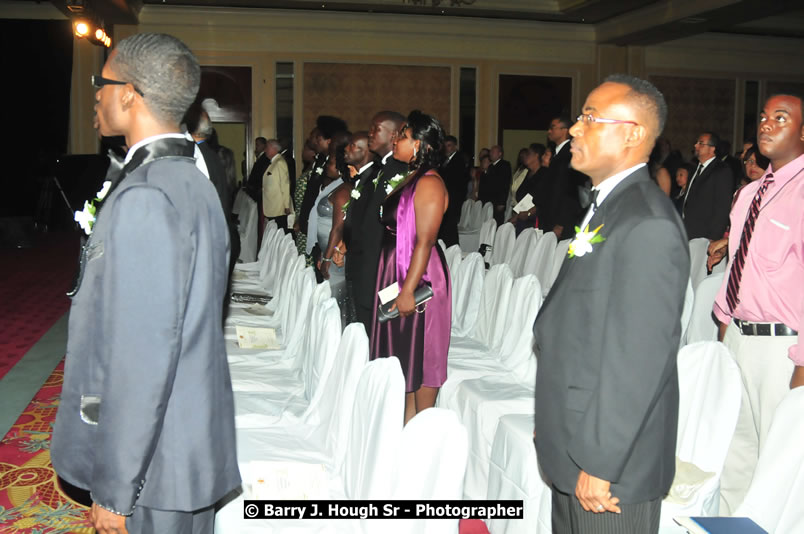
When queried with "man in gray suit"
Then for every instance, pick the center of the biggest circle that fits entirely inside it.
(608, 332)
(146, 421)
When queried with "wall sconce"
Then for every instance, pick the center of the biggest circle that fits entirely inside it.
(82, 28)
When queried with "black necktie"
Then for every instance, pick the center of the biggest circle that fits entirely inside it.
(587, 197)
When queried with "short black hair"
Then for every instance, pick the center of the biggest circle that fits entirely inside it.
(646, 94)
(714, 139)
(328, 126)
(762, 161)
(564, 120)
(163, 69)
(451, 139)
(428, 130)
(537, 148)
(260, 140)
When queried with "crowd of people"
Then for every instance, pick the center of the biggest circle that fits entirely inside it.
(146, 371)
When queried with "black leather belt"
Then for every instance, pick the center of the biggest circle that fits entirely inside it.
(764, 329)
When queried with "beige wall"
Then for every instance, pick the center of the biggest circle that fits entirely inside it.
(260, 38)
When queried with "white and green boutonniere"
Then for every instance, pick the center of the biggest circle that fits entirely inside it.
(355, 194)
(582, 244)
(86, 217)
(395, 181)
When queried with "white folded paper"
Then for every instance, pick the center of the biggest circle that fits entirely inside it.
(256, 338)
(389, 293)
(525, 204)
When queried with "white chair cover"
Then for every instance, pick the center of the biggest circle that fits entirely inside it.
(698, 247)
(709, 401)
(375, 431)
(486, 212)
(525, 241)
(559, 256)
(249, 220)
(239, 201)
(453, 257)
(503, 244)
(429, 465)
(540, 260)
(514, 475)
(491, 320)
(488, 231)
(686, 312)
(467, 288)
(466, 207)
(702, 326)
(773, 500)
(516, 353)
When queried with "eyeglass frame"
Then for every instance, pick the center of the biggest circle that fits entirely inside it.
(697, 142)
(99, 81)
(592, 120)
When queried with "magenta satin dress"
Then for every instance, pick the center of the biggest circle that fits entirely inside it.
(421, 340)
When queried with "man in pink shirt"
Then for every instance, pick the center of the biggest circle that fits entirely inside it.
(761, 303)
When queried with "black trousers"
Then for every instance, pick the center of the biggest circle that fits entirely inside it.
(570, 518)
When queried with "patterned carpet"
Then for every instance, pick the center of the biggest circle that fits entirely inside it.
(33, 283)
(31, 501)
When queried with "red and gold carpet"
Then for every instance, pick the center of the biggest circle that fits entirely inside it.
(31, 501)
(33, 286)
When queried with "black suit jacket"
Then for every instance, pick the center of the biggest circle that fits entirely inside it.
(606, 340)
(311, 193)
(254, 182)
(706, 213)
(495, 184)
(560, 204)
(353, 234)
(455, 174)
(217, 175)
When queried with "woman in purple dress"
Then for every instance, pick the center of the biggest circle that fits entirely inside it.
(412, 213)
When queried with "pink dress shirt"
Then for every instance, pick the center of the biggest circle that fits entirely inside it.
(772, 284)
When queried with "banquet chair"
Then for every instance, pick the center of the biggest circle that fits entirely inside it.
(488, 231)
(525, 241)
(429, 465)
(249, 220)
(698, 248)
(503, 244)
(702, 326)
(375, 430)
(239, 202)
(709, 400)
(467, 289)
(773, 500)
(486, 335)
(514, 474)
(494, 387)
(540, 260)
(486, 212)
(559, 255)
(463, 220)
(469, 233)
(686, 312)
(268, 237)
(453, 257)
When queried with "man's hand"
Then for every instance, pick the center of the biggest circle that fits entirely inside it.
(594, 494)
(716, 252)
(106, 522)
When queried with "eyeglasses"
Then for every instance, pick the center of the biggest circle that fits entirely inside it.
(701, 143)
(100, 81)
(588, 119)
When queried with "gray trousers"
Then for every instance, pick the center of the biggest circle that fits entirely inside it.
(153, 521)
(570, 518)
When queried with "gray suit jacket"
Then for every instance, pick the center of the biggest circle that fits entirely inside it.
(606, 339)
(146, 414)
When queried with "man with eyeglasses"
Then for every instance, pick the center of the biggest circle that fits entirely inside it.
(607, 334)
(146, 418)
(705, 208)
(761, 303)
(559, 209)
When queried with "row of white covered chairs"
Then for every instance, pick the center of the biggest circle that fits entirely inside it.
(473, 214)
(316, 418)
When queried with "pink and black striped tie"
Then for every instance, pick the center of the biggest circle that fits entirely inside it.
(736, 273)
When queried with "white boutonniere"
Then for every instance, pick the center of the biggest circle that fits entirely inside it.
(582, 244)
(86, 217)
(395, 181)
(319, 170)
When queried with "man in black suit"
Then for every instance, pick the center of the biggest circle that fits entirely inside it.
(495, 184)
(320, 139)
(363, 218)
(254, 181)
(455, 173)
(607, 334)
(560, 208)
(708, 200)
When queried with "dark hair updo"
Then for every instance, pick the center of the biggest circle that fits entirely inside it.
(428, 131)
